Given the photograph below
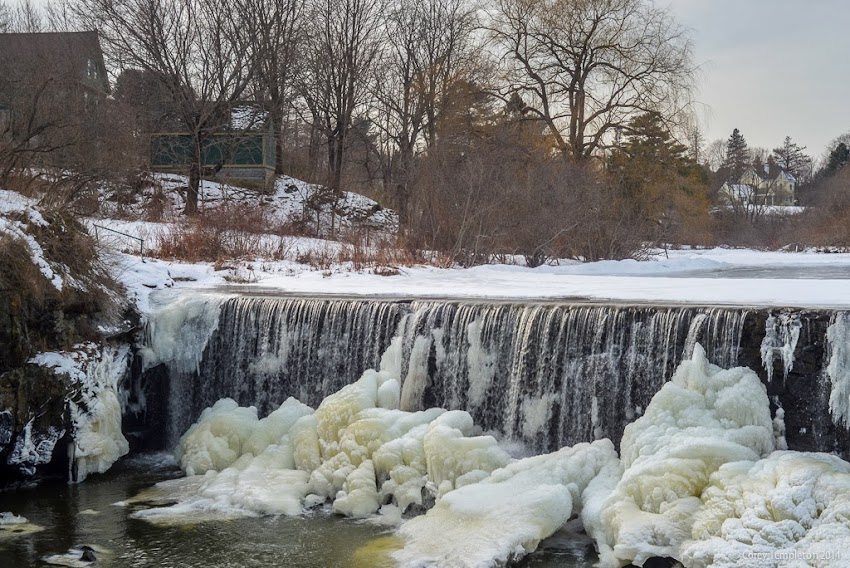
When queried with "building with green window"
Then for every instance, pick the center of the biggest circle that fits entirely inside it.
(243, 151)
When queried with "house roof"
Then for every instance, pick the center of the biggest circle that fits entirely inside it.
(73, 56)
(248, 116)
(773, 171)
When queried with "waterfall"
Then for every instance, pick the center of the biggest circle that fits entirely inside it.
(262, 350)
(552, 375)
(546, 375)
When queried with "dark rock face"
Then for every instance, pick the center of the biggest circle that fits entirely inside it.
(145, 416)
(34, 425)
(804, 393)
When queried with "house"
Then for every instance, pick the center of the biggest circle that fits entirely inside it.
(67, 64)
(762, 186)
(241, 149)
(50, 83)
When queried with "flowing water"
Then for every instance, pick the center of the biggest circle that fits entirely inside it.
(544, 375)
(86, 514)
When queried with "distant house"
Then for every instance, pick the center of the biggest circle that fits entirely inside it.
(241, 149)
(49, 85)
(769, 185)
(69, 64)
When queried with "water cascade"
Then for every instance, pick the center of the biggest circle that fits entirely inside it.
(547, 375)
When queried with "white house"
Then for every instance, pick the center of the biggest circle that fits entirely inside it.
(770, 185)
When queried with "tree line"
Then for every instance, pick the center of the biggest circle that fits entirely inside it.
(543, 128)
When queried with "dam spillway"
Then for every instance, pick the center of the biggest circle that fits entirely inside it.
(545, 375)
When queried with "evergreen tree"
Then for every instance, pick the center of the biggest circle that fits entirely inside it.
(837, 159)
(658, 177)
(737, 156)
(648, 140)
(792, 158)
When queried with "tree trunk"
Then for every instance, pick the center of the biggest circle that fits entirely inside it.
(194, 180)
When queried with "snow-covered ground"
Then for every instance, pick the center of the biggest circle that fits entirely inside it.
(736, 277)
(290, 200)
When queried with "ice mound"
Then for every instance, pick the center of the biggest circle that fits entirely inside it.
(225, 432)
(357, 450)
(703, 418)
(506, 514)
(791, 509)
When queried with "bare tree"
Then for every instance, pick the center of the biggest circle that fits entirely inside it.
(715, 154)
(278, 29)
(337, 68)
(201, 53)
(428, 49)
(587, 66)
(26, 17)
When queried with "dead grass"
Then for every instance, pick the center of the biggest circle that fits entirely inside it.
(249, 232)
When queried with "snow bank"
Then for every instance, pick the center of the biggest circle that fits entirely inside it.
(704, 417)
(506, 514)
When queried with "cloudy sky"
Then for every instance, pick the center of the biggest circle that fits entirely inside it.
(772, 68)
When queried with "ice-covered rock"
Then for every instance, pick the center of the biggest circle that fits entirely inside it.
(94, 375)
(703, 418)
(506, 514)
(790, 509)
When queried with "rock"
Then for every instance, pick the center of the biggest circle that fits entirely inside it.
(88, 554)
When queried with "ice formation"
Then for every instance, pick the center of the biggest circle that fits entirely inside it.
(838, 368)
(780, 339)
(33, 449)
(95, 407)
(356, 450)
(697, 480)
(704, 417)
(791, 509)
(179, 328)
(506, 514)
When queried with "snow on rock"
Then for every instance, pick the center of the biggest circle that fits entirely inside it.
(838, 367)
(505, 515)
(17, 216)
(12, 526)
(703, 418)
(790, 509)
(33, 449)
(290, 200)
(95, 375)
(7, 518)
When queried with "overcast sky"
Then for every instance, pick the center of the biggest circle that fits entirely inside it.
(772, 68)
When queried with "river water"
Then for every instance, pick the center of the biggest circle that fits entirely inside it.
(86, 514)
